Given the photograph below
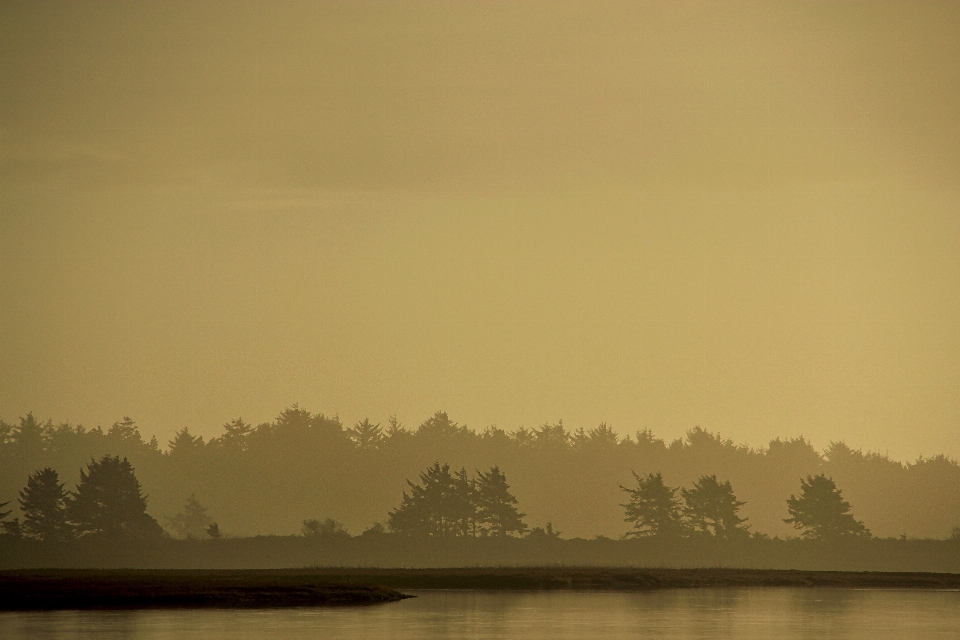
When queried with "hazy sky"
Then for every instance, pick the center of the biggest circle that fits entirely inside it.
(659, 215)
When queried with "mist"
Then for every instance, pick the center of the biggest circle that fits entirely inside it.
(686, 218)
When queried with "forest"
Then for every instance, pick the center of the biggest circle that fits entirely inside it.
(309, 474)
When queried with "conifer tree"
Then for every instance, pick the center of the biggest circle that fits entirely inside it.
(822, 512)
(654, 508)
(366, 435)
(9, 527)
(192, 522)
(711, 508)
(108, 501)
(440, 506)
(43, 503)
(463, 507)
(496, 507)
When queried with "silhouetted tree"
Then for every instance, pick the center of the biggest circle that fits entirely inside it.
(439, 426)
(214, 531)
(711, 508)
(9, 527)
(328, 528)
(192, 522)
(12, 528)
(366, 435)
(108, 501)
(185, 444)
(463, 507)
(43, 504)
(654, 508)
(395, 429)
(822, 512)
(436, 507)
(235, 435)
(496, 506)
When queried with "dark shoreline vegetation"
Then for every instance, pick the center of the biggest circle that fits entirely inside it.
(65, 589)
(92, 589)
(698, 502)
(393, 551)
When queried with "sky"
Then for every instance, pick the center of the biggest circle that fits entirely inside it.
(739, 216)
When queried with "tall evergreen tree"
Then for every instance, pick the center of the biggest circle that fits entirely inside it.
(366, 435)
(43, 503)
(192, 521)
(654, 508)
(496, 507)
(108, 501)
(463, 507)
(711, 508)
(235, 436)
(822, 512)
(441, 506)
(9, 527)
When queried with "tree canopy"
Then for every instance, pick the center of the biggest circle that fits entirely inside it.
(497, 511)
(653, 509)
(108, 501)
(710, 507)
(192, 521)
(822, 512)
(43, 503)
(439, 506)
(447, 504)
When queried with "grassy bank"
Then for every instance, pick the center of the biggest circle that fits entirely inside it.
(276, 552)
(632, 579)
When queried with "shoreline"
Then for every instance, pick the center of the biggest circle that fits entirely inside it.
(49, 590)
(59, 589)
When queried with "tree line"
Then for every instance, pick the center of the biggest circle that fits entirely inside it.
(108, 502)
(267, 478)
(710, 508)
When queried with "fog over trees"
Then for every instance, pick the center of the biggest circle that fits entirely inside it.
(306, 472)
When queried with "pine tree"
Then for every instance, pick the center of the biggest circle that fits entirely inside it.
(654, 508)
(366, 435)
(711, 508)
(822, 512)
(235, 435)
(108, 501)
(463, 507)
(496, 506)
(43, 503)
(440, 506)
(192, 522)
(9, 527)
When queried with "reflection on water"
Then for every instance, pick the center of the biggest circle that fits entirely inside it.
(705, 613)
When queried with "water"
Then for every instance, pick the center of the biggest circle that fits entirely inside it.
(704, 613)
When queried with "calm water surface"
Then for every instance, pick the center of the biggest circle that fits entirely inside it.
(704, 613)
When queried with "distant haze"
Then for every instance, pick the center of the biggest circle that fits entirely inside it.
(742, 216)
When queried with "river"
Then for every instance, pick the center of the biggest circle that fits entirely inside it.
(762, 613)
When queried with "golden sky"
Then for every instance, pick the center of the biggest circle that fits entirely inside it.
(743, 216)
